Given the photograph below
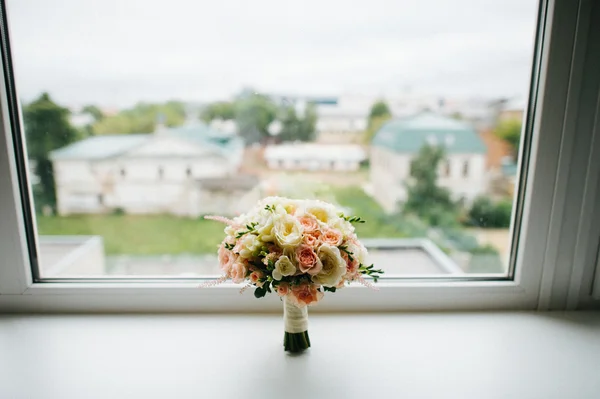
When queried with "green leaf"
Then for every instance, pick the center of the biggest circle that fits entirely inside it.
(259, 292)
(330, 289)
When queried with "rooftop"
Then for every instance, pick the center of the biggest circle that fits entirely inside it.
(409, 134)
(111, 145)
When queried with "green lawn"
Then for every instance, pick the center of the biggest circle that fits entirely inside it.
(164, 234)
(140, 235)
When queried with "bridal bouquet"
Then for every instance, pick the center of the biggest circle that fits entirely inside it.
(299, 249)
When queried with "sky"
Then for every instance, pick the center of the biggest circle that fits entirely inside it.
(118, 52)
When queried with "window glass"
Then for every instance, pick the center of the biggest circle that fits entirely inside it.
(407, 114)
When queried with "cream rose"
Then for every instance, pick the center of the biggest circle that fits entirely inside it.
(283, 267)
(247, 245)
(334, 266)
(287, 231)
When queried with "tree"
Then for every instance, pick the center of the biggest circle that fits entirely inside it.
(47, 128)
(378, 115)
(219, 110)
(94, 111)
(379, 109)
(485, 213)
(142, 118)
(510, 131)
(295, 128)
(253, 115)
(426, 199)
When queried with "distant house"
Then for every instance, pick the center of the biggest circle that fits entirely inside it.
(397, 143)
(161, 172)
(314, 157)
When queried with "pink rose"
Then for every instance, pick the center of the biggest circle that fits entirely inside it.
(309, 223)
(332, 237)
(311, 240)
(283, 289)
(351, 265)
(238, 272)
(226, 258)
(308, 261)
(255, 277)
(306, 294)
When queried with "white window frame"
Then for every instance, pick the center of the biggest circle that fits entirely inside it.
(555, 263)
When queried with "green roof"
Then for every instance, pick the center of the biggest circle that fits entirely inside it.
(409, 134)
(111, 145)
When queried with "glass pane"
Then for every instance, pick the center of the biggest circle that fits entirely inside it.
(141, 117)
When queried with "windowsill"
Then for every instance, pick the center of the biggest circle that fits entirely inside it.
(450, 355)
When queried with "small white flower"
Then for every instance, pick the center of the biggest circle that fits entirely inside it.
(334, 266)
(283, 267)
(249, 244)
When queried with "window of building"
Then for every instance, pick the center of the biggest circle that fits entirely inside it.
(434, 250)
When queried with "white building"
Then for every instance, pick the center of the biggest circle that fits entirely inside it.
(398, 142)
(314, 157)
(169, 171)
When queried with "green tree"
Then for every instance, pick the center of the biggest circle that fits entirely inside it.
(488, 214)
(426, 199)
(142, 118)
(253, 115)
(295, 128)
(378, 115)
(379, 109)
(94, 111)
(47, 128)
(510, 131)
(219, 110)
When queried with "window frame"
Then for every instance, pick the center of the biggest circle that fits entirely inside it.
(554, 108)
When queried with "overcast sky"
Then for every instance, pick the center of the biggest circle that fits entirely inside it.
(117, 52)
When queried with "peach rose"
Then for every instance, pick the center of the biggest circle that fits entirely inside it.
(351, 265)
(238, 272)
(306, 294)
(255, 277)
(283, 289)
(226, 258)
(311, 240)
(332, 237)
(309, 223)
(308, 261)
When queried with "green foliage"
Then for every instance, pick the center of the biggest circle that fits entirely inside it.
(510, 131)
(488, 214)
(220, 110)
(142, 118)
(426, 199)
(378, 115)
(371, 272)
(297, 128)
(378, 110)
(47, 128)
(94, 111)
(373, 127)
(253, 115)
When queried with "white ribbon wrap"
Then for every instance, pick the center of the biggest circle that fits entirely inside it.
(294, 318)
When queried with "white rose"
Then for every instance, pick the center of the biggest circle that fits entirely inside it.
(288, 231)
(325, 213)
(334, 266)
(249, 244)
(265, 228)
(283, 267)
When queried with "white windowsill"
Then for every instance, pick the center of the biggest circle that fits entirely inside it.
(427, 355)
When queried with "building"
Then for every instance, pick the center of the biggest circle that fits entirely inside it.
(168, 171)
(314, 157)
(398, 142)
